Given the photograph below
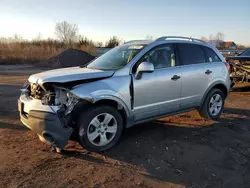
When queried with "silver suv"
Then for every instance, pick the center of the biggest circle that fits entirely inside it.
(130, 84)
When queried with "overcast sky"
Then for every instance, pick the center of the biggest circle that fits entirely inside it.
(128, 19)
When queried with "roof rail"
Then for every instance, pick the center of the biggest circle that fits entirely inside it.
(134, 41)
(177, 37)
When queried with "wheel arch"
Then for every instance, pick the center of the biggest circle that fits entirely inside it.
(84, 104)
(218, 85)
(117, 105)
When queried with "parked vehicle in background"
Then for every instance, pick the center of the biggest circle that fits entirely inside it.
(130, 84)
(240, 67)
(244, 56)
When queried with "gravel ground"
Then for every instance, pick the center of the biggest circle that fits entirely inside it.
(178, 151)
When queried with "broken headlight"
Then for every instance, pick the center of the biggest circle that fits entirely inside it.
(65, 99)
(25, 90)
(72, 100)
(60, 97)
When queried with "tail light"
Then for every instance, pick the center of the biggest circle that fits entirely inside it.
(228, 66)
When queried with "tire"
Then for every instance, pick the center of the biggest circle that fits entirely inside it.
(209, 111)
(92, 128)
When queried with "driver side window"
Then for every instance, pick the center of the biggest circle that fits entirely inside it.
(161, 56)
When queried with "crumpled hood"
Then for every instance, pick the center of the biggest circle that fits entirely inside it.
(68, 74)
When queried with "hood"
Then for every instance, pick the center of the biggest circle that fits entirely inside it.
(68, 74)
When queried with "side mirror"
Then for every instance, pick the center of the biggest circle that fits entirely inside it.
(144, 67)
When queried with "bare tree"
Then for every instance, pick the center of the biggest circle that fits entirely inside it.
(17, 37)
(211, 37)
(204, 38)
(99, 44)
(219, 36)
(149, 37)
(84, 41)
(113, 42)
(66, 32)
(38, 37)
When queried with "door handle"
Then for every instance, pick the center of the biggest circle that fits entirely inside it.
(208, 72)
(175, 77)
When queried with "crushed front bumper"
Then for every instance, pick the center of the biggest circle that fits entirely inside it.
(44, 121)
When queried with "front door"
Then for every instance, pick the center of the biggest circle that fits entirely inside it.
(159, 92)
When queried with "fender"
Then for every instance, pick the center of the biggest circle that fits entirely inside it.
(107, 89)
(113, 98)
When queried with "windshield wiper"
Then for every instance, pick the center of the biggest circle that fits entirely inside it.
(111, 68)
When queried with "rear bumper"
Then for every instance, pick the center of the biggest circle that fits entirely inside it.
(47, 124)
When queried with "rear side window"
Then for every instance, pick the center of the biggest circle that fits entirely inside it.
(191, 54)
(211, 56)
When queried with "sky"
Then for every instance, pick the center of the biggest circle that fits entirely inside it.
(128, 19)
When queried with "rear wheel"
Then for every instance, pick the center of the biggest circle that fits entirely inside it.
(213, 105)
(99, 128)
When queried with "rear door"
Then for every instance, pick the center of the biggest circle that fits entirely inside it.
(196, 74)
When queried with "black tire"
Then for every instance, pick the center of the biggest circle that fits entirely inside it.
(85, 119)
(204, 110)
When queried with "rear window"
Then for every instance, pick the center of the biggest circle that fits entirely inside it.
(191, 54)
(211, 56)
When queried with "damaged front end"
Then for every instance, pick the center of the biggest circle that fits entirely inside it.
(49, 108)
(46, 109)
(54, 95)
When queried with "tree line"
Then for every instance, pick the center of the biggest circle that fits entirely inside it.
(67, 35)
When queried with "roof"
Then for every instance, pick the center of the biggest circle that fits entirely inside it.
(227, 44)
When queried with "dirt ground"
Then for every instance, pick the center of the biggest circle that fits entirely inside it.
(178, 151)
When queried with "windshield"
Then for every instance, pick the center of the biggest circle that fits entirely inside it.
(246, 52)
(117, 57)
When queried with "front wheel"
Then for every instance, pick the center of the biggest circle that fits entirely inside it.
(213, 105)
(99, 128)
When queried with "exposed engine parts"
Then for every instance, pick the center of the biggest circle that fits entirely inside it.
(36, 91)
(53, 95)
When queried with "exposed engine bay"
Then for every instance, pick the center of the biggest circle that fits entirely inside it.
(52, 95)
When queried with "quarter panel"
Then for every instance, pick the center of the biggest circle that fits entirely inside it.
(220, 71)
(220, 76)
